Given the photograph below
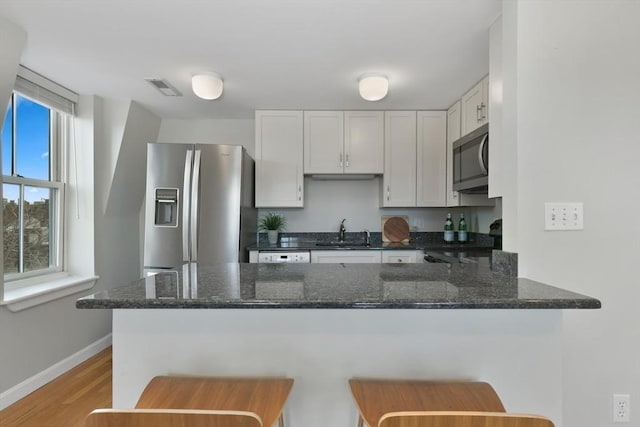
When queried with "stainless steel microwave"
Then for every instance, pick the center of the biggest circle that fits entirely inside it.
(471, 162)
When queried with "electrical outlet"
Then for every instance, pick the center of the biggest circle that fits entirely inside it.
(621, 408)
(563, 216)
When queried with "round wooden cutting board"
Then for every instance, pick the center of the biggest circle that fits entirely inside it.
(395, 229)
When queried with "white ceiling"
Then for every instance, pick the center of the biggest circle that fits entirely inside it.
(272, 54)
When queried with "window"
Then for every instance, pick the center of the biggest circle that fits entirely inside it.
(37, 139)
(33, 190)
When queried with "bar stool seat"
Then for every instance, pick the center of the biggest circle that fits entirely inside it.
(415, 403)
(202, 401)
(462, 419)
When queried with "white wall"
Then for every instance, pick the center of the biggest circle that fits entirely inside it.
(509, 126)
(517, 351)
(12, 41)
(110, 147)
(326, 202)
(578, 140)
(209, 131)
(35, 339)
(123, 130)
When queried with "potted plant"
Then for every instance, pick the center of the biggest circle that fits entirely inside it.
(272, 223)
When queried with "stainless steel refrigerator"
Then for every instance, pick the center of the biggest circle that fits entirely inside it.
(199, 205)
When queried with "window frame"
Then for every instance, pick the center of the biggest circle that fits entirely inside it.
(58, 140)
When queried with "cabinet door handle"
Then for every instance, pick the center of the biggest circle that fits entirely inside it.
(347, 163)
(299, 192)
(484, 110)
(479, 112)
(340, 160)
(388, 192)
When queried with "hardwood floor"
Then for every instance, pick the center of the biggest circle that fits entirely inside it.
(65, 401)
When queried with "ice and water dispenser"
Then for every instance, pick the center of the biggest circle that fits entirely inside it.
(166, 207)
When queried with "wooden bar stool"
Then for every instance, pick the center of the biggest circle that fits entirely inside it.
(462, 419)
(201, 401)
(411, 403)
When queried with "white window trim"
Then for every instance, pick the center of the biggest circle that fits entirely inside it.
(26, 293)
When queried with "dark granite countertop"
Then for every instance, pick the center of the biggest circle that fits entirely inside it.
(355, 241)
(454, 285)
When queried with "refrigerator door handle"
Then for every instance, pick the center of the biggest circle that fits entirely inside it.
(195, 190)
(186, 195)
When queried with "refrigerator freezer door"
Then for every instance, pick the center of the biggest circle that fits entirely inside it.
(219, 203)
(166, 199)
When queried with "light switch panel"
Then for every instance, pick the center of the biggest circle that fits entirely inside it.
(563, 216)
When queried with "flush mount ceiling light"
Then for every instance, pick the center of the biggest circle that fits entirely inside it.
(373, 87)
(207, 85)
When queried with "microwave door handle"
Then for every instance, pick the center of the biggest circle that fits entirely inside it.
(481, 162)
(186, 201)
(195, 195)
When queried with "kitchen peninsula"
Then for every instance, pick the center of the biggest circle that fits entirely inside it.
(322, 324)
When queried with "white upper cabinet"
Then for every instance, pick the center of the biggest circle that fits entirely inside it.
(363, 142)
(431, 158)
(475, 107)
(323, 142)
(399, 180)
(279, 160)
(337, 142)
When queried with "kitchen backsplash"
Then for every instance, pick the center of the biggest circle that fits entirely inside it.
(326, 203)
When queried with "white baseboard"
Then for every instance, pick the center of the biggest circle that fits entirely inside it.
(17, 392)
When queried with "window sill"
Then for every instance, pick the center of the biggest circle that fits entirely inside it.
(55, 287)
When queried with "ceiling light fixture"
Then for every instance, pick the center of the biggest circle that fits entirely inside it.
(373, 87)
(207, 85)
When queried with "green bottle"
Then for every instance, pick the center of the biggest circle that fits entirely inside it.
(448, 229)
(462, 229)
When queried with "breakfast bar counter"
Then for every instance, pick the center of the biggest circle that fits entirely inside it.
(323, 324)
(456, 285)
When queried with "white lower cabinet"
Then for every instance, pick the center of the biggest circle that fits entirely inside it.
(346, 257)
(401, 257)
(367, 256)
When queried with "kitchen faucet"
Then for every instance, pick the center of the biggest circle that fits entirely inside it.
(367, 237)
(342, 230)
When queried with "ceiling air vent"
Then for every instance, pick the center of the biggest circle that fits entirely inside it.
(164, 87)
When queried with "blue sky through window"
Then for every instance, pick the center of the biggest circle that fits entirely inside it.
(32, 133)
(32, 149)
(7, 130)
